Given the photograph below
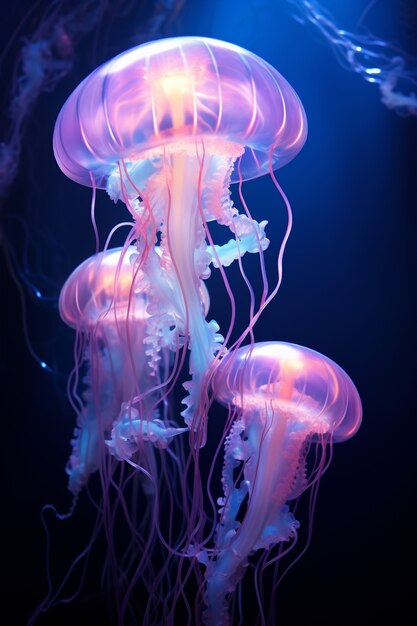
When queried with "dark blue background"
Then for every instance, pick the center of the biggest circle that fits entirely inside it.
(349, 291)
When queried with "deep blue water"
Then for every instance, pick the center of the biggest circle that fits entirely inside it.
(349, 291)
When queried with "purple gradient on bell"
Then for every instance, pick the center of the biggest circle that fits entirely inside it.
(295, 378)
(100, 289)
(179, 89)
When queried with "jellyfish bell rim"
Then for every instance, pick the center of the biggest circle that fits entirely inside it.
(339, 431)
(90, 159)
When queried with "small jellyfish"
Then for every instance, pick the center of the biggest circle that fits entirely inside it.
(284, 397)
(103, 301)
(166, 127)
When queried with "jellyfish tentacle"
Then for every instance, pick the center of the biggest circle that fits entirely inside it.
(249, 237)
(267, 519)
(218, 204)
(194, 399)
(160, 333)
(235, 452)
(300, 481)
(92, 422)
(129, 430)
(82, 461)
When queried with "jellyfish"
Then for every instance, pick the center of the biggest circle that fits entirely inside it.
(284, 397)
(103, 301)
(126, 432)
(166, 127)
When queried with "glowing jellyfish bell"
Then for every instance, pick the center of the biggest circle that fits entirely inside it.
(103, 301)
(285, 396)
(165, 127)
(92, 298)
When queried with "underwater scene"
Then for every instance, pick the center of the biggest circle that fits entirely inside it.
(208, 337)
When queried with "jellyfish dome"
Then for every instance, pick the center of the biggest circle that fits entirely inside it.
(294, 379)
(173, 91)
(101, 290)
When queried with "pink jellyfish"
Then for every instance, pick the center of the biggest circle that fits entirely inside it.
(103, 300)
(284, 397)
(123, 420)
(166, 127)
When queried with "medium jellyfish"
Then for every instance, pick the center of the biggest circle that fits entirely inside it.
(126, 432)
(284, 397)
(103, 300)
(166, 127)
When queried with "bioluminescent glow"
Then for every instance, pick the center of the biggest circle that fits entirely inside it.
(282, 399)
(165, 128)
(103, 301)
(158, 128)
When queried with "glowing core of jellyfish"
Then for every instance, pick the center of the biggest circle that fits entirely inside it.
(166, 127)
(284, 397)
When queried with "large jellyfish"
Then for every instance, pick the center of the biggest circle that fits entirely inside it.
(284, 397)
(165, 127)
